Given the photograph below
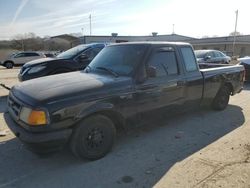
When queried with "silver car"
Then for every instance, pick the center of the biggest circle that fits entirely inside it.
(211, 56)
(21, 58)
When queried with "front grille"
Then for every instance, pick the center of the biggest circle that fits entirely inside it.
(14, 106)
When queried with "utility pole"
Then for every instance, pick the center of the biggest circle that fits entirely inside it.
(235, 29)
(23, 44)
(90, 25)
(173, 29)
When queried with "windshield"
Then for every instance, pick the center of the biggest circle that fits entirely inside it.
(71, 52)
(122, 60)
(200, 54)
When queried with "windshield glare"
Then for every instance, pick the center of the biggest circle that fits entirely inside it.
(120, 59)
(71, 52)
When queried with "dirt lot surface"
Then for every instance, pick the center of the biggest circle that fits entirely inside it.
(204, 148)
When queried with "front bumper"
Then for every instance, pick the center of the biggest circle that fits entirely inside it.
(22, 78)
(39, 142)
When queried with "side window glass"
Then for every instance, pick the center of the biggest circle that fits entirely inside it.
(89, 53)
(221, 54)
(211, 54)
(26, 55)
(164, 62)
(32, 54)
(189, 59)
(19, 55)
(97, 50)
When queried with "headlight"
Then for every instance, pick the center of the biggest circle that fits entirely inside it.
(33, 117)
(36, 69)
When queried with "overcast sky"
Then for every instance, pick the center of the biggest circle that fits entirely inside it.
(195, 18)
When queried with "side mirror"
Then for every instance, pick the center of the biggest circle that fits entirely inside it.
(207, 58)
(151, 72)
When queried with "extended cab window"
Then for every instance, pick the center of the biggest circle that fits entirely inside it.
(164, 62)
(189, 59)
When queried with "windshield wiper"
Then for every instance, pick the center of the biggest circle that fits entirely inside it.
(108, 70)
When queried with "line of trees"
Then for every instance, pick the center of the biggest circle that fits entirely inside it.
(29, 41)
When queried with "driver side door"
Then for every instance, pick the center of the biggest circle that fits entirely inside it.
(165, 89)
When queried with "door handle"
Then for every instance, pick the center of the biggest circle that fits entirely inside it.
(181, 83)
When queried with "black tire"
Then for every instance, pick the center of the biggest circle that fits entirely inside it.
(93, 138)
(9, 64)
(221, 99)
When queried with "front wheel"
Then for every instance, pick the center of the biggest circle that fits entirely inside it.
(221, 100)
(93, 138)
(9, 65)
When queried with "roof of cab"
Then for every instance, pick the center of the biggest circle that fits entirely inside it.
(152, 43)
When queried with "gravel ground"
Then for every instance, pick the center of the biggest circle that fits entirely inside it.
(204, 148)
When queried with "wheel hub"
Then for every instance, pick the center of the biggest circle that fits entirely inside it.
(95, 138)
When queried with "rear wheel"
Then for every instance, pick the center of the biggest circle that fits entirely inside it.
(221, 100)
(93, 138)
(9, 64)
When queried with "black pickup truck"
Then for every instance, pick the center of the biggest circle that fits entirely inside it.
(85, 108)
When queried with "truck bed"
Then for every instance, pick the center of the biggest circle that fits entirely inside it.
(217, 75)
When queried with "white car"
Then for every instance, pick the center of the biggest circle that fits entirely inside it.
(21, 58)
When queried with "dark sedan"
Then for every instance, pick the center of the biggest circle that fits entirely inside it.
(211, 56)
(74, 59)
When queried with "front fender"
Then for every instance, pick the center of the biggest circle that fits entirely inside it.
(94, 108)
(106, 109)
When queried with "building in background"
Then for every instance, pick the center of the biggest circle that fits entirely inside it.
(115, 38)
(224, 44)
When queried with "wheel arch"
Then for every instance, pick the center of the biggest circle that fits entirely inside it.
(8, 61)
(107, 110)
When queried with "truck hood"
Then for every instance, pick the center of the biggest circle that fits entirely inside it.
(50, 89)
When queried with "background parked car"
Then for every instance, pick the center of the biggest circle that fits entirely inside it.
(245, 61)
(47, 54)
(21, 58)
(211, 56)
(74, 59)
